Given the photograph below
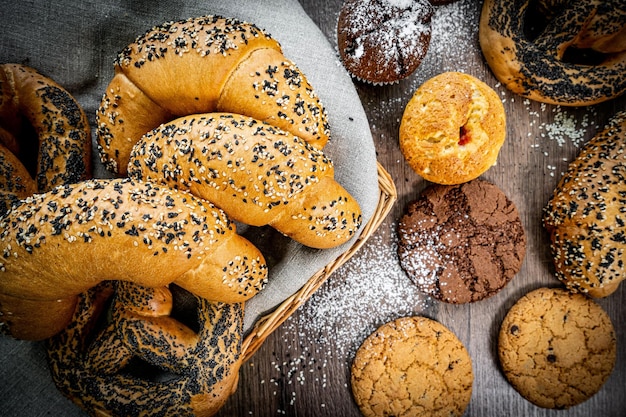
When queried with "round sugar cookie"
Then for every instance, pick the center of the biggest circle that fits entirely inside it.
(556, 348)
(412, 366)
(461, 243)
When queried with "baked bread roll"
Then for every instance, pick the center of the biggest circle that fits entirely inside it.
(16, 182)
(578, 58)
(585, 216)
(201, 65)
(256, 173)
(452, 129)
(61, 152)
(152, 357)
(59, 244)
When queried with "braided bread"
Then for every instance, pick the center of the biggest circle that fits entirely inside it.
(62, 152)
(200, 65)
(585, 216)
(153, 357)
(253, 171)
(57, 245)
(578, 59)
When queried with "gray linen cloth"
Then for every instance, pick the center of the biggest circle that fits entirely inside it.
(75, 43)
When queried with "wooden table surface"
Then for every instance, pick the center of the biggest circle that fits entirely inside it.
(303, 368)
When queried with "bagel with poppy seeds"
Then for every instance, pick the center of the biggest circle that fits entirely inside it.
(61, 152)
(153, 356)
(56, 245)
(258, 174)
(201, 65)
(585, 215)
(578, 57)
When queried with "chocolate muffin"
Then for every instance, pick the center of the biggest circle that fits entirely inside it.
(382, 42)
(461, 243)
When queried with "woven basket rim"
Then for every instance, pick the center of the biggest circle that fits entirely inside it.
(265, 325)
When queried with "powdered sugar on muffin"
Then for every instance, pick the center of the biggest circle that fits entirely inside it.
(381, 42)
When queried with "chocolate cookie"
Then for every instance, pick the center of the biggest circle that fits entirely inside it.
(381, 42)
(461, 243)
(412, 366)
(556, 348)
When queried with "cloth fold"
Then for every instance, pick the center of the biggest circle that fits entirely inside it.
(75, 43)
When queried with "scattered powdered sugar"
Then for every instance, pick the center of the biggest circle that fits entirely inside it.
(421, 261)
(430, 251)
(337, 318)
(455, 34)
(401, 4)
(336, 314)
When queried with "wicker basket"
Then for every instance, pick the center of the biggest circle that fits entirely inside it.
(270, 322)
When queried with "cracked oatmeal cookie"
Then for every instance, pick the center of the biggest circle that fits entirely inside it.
(412, 366)
(556, 348)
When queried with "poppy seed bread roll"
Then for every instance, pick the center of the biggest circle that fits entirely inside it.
(15, 180)
(258, 174)
(61, 153)
(147, 359)
(57, 245)
(201, 65)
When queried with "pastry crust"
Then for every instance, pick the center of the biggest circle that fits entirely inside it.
(145, 360)
(60, 153)
(15, 180)
(452, 129)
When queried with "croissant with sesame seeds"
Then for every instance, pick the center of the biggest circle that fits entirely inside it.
(56, 245)
(258, 174)
(200, 65)
(586, 216)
